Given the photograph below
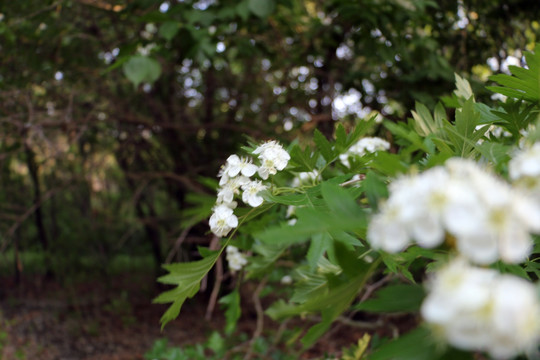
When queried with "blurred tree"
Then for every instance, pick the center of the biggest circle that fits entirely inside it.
(113, 110)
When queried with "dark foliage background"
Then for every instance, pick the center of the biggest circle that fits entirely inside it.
(116, 115)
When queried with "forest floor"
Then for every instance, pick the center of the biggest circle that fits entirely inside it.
(115, 320)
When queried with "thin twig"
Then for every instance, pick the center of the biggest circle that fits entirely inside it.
(353, 181)
(370, 289)
(177, 245)
(360, 324)
(214, 245)
(26, 215)
(260, 317)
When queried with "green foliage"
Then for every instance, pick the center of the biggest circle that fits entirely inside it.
(262, 8)
(394, 298)
(231, 302)
(187, 278)
(95, 167)
(331, 262)
(139, 69)
(524, 84)
(215, 347)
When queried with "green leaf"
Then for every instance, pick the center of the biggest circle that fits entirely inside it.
(232, 303)
(139, 69)
(267, 255)
(463, 134)
(242, 9)
(262, 8)
(311, 221)
(187, 278)
(388, 163)
(339, 201)
(496, 153)
(309, 285)
(289, 199)
(347, 258)
(330, 303)
(216, 343)
(344, 140)
(305, 160)
(324, 146)
(169, 30)
(524, 83)
(464, 89)
(415, 345)
(375, 189)
(317, 247)
(425, 124)
(341, 137)
(403, 132)
(318, 330)
(394, 298)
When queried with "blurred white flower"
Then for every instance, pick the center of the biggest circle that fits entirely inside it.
(287, 280)
(479, 309)
(235, 258)
(488, 219)
(386, 233)
(525, 163)
(146, 50)
(303, 178)
(251, 190)
(149, 30)
(222, 220)
(524, 170)
(363, 146)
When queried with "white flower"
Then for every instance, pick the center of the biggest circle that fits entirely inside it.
(222, 220)
(386, 232)
(287, 280)
(236, 165)
(488, 219)
(306, 178)
(479, 309)
(516, 314)
(251, 190)
(273, 158)
(236, 259)
(223, 174)
(230, 188)
(524, 170)
(146, 50)
(362, 146)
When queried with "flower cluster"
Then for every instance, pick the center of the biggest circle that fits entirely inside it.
(235, 178)
(488, 219)
(235, 258)
(273, 158)
(524, 168)
(480, 309)
(363, 146)
(304, 178)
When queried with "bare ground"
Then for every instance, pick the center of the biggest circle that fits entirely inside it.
(116, 320)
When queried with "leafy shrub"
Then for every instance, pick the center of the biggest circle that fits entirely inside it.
(439, 219)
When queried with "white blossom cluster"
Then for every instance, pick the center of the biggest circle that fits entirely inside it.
(235, 258)
(303, 178)
(488, 219)
(524, 169)
(236, 177)
(363, 146)
(480, 309)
